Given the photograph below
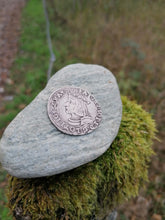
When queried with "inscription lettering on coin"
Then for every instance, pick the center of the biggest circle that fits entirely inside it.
(74, 111)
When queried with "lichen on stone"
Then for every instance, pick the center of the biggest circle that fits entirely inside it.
(94, 189)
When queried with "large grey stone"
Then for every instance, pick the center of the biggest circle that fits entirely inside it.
(31, 146)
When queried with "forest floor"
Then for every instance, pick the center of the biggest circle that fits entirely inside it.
(127, 38)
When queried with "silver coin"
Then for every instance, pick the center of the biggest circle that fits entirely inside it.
(74, 111)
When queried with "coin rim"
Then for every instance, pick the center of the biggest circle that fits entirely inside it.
(48, 110)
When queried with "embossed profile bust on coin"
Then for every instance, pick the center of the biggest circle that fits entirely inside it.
(74, 111)
(69, 130)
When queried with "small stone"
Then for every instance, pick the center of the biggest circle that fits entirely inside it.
(112, 216)
(31, 145)
(9, 81)
(2, 90)
(8, 98)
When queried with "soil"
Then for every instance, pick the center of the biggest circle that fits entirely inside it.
(10, 14)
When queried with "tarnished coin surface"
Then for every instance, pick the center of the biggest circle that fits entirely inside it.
(74, 111)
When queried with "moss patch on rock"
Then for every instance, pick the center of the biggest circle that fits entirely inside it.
(94, 189)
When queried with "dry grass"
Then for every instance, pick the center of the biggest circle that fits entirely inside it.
(127, 37)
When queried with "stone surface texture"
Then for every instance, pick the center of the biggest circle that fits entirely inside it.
(31, 146)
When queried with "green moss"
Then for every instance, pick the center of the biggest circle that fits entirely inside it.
(97, 187)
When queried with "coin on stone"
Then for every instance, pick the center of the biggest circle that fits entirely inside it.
(74, 111)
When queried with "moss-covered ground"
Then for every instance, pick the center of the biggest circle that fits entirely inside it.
(125, 36)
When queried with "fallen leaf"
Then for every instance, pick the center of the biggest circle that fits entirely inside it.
(156, 217)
